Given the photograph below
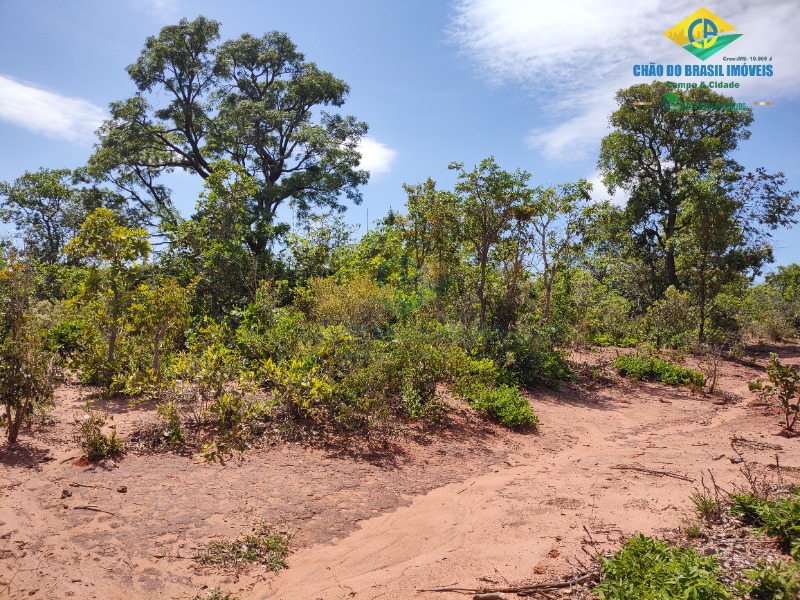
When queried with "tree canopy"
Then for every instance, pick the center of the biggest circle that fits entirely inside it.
(254, 101)
(650, 146)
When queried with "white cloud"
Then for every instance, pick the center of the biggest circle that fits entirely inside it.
(376, 158)
(573, 56)
(600, 193)
(48, 113)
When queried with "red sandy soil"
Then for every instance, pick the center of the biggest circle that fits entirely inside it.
(473, 505)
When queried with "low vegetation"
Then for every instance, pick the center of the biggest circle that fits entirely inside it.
(97, 436)
(648, 568)
(265, 546)
(778, 517)
(653, 368)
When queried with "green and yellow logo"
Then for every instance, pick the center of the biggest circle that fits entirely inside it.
(702, 33)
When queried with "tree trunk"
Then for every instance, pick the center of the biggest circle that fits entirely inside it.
(157, 356)
(669, 257)
(481, 291)
(701, 336)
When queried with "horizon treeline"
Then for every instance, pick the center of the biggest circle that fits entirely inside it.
(235, 321)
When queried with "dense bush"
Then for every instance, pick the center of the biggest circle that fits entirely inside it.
(66, 338)
(670, 320)
(532, 357)
(359, 304)
(652, 368)
(648, 569)
(768, 315)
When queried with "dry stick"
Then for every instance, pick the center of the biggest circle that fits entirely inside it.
(653, 472)
(95, 509)
(73, 484)
(554, 585)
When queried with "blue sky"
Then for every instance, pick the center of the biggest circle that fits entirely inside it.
(528, 81)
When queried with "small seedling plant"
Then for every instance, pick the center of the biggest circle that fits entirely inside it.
(784, 384)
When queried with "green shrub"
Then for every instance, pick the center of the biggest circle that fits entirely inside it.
(489, 390)
(652, 368)
(91, 438)
(200, 374)
(173, 428)
(504, 404)
(360, 304)
(66, 338)
(780, 517)
(532, 358)
(776, 581)
(768, 314)
(271, 331)
(647, 569)
(669, 321)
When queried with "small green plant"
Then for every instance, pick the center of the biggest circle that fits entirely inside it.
(775, 581)
(504, 404)
(97, 444)
(265, 545)
(652, 368)
(693, 530)
(649, 569)
(785, 384)
(779, 517)
(709, 501)
(705, 505)
(65, 338)
(173, 429)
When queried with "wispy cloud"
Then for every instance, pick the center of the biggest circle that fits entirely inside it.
(161, 8)
(376, 158)
(573, 56)
(56, 116)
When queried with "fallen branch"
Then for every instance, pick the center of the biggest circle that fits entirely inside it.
(522, 589)
(83, 485)
(95, 509)
(652, 472)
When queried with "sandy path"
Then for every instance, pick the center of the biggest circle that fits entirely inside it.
(474, 505)
(524, 521)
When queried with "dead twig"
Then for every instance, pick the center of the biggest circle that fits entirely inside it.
(652, 472)
(95, 509)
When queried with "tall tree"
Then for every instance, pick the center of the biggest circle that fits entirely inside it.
(557, 221)
(490, 199)
(253, 101)
(710, 241)
(650, 145)
(432, 234)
